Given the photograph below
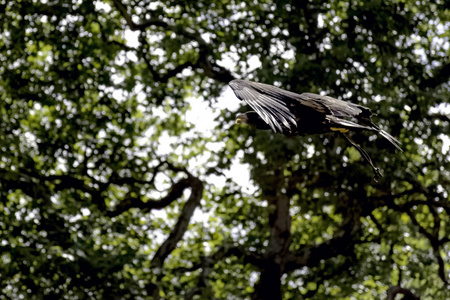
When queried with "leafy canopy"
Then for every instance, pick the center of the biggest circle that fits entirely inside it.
(109, 189)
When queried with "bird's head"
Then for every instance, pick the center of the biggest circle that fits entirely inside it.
(253, 119)
(241, 119)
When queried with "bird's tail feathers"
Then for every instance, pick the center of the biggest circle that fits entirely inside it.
(386, 135)
(372, 127)
(334, 121)
(391, 139)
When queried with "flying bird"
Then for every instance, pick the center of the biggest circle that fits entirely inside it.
(292, 114)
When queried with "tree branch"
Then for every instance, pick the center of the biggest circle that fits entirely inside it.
(134, 26)
(440, 75)
(394, 290)
(210, 68)
(441, 117)
(441, 265)
(136, 202)
(185, 31)
(176, 234)
(183, 221)
(170, 73)
(433, 238)
(226, 250)
(342, 243)
(213, 70)
(326, 274)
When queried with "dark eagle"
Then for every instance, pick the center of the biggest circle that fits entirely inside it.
(304, 114)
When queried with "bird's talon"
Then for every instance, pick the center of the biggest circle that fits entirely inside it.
(377, 174)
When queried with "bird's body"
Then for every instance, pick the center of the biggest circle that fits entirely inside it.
(304, 114)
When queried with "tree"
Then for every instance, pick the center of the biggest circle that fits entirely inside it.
(101, 173)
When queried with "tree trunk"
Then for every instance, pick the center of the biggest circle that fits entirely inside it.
(269, 284)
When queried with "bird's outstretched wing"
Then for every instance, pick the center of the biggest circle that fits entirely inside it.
(336, 107)
(268, 101)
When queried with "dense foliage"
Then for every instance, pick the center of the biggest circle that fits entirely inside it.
(110, 189)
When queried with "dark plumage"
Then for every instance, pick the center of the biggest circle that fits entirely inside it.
(303, 114)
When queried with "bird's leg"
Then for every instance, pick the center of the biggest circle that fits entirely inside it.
(366, 156)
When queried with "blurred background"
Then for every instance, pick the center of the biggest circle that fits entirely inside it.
(123, 176)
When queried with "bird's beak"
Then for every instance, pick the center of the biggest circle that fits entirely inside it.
(241, 118)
